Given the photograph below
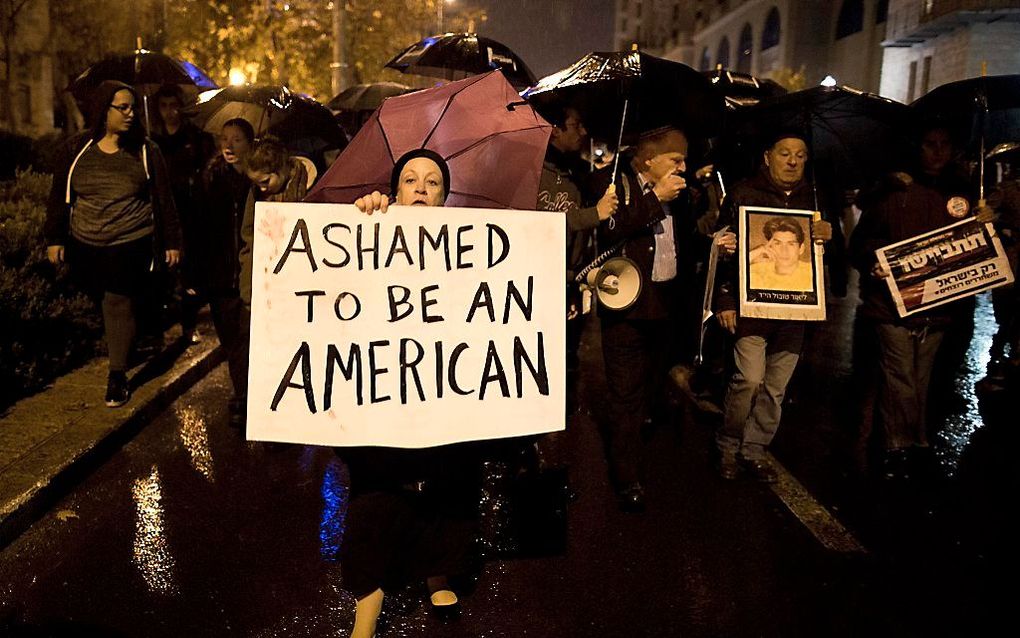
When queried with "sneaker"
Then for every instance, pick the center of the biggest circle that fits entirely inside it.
(117, 391)
(759, 470)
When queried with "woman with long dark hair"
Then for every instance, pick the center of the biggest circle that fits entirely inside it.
(111, 216)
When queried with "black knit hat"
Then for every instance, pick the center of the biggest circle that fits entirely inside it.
(420, 152)
(794, 132)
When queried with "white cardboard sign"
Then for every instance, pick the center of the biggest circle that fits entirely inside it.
(413, 328)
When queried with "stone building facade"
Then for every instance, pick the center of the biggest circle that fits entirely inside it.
(841, 38)
(933, 42)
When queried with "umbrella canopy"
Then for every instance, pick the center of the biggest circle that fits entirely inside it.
(494, 147)
(453, 56)
(366, 97)
(145, 70)
(658, 92)
(741, 89)
(983, 107)
(300, 122)
(855, 135)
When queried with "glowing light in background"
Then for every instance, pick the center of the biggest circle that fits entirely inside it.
(151, 549)
(238, 77)
(334, 510)
(194, 435)
(829, 81)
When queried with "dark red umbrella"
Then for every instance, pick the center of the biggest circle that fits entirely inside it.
(493, 143)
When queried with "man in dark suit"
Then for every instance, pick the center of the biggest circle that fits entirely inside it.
(635, 341)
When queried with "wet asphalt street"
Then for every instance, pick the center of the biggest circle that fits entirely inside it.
(190, 531)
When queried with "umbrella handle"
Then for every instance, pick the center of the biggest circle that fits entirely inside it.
(619, 141)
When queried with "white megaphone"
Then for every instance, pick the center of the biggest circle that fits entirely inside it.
(616, 284)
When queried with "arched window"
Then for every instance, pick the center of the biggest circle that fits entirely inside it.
(771, 33)
(745, 49)
(722, 56)
(706, 60)
(851, 18)
(881, 11)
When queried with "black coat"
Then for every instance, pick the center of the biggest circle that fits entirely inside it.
(634, 222)
(217, 246)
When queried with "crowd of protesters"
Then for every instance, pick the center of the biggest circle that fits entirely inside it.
(143, 207)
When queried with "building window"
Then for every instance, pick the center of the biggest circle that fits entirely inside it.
(912, 82)
(706, 60)
(722, 56)
(926, 75)
(623, 25)
(638, 11)
(881, 11)
(770, 34)
(851, 18)
(745, 49)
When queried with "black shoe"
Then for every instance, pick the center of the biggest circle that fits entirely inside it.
(238, 413)
(728, 467)
(759, 470)
(631, 498)
(895, 465)
(117, 391)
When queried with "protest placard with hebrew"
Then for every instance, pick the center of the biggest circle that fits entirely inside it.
(944, 265)
(413, 328)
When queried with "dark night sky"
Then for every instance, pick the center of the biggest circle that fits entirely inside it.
(550, 34)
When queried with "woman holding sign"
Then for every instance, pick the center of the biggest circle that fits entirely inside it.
(413, 513)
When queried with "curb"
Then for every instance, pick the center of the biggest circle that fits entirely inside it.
(55, 438)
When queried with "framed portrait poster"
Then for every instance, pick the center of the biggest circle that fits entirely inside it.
(781, 273)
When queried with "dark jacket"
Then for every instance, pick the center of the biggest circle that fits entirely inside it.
(59, 208)
(558, 191)
(634, 222)
(892, 213)
(217, 247)
(754, 191)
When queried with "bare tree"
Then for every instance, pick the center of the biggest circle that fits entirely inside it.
(10, 10)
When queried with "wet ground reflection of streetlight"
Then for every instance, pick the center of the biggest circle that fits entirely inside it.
(151, 549)
(960, 425)
(195, 437)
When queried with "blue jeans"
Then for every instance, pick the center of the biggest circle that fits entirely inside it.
(754, 399)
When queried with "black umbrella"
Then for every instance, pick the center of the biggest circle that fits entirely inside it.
(741, 89)
(366, 97)
(986, 110)
(301, 123)
(855, 135)
(657, 93)
(143, 69)
(455, 56)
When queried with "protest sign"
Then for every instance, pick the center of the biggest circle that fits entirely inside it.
(944, 265)
(781, 274)
(413, 328)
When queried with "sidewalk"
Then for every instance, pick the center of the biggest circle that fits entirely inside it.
(50, 440)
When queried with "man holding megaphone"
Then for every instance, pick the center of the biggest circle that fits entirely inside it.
(636, 333)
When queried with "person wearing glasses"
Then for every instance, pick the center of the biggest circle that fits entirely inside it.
(111, 216)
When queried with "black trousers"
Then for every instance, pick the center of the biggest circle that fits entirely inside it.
(636, 353)
(232, 322)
